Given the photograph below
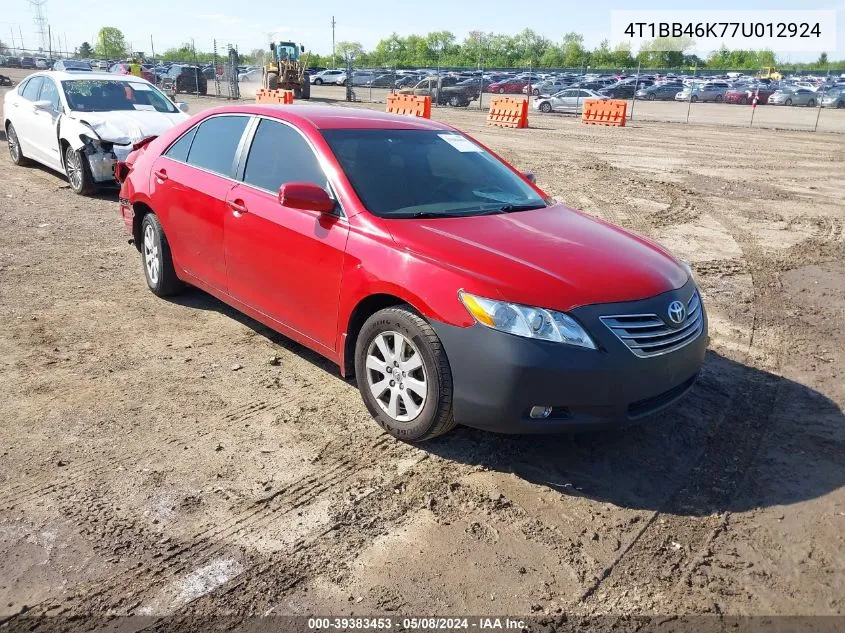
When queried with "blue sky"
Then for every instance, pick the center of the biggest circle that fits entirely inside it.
(172, 22)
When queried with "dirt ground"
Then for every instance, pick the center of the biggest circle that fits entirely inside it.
(173, 457)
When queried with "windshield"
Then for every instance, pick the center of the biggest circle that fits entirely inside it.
(427, 173)
(106, 95)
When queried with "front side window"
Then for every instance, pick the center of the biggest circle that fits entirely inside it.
(418, 173)
(50, 93)
(279, 155)
(215, 143)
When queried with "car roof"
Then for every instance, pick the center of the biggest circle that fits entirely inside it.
(334, 117)
(61, 75)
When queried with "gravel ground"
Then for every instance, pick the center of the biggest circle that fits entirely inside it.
(177, 458)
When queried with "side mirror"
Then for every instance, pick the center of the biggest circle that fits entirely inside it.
(183, 107)
(530, 177)
(307, 196)
(47, 106)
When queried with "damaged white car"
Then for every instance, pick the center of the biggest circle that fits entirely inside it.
(82, 124)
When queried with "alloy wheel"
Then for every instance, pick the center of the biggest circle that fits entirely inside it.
(396, 376)
(14, 147)
(151, 254)
(73, 168)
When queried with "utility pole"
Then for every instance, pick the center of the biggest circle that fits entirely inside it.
(152, 48)
(12, 33)
(333, 55)
(20, 33)
(50, 42)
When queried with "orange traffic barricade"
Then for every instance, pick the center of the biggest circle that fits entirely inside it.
(262, 95)
(605, 112)
(412, 105)
(508, 112)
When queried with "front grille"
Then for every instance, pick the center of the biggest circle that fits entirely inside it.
(648, 335)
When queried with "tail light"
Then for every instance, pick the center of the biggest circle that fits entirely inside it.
(121, 171)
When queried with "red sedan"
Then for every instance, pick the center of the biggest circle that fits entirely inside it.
(508, 86)
(743, 96)
(123, 69)
(447, 282)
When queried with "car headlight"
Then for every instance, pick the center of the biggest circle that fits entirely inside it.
(520, 320)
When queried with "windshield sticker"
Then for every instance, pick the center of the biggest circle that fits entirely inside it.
(144, 106)
(141, 87)
(460, 143)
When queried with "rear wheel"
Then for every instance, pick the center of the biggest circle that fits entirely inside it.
(719, 99)
(404, 376)
(811, 103)
(840, 104)
(788, 102)
(306, 86)
(546, 107)
(694, 98)
(501, 91)
(650, 96)
(158, 262)
(318, 81)
(454, 101)
(15, 150)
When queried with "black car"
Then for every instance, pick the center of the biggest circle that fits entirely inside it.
(184, 78)
(27, 62)
(618, 91)
(663, 92)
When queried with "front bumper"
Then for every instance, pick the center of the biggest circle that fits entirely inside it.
(498, 377)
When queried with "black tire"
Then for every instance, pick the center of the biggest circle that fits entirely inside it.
(694, 99)
(501, 91)
(840, 104)
(15, 150)
(811, 103)
(297, 93)
(719, 99)
(272, 81)
(163, 280)
(306, 86)
(318, 82)
(454, 101)
(536, 92)
(650, 96)
(546, 107)
(788, 102)
(436, 416)
(78, 172)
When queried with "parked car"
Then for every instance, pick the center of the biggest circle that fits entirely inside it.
(834, 98)
(450, 286)
(712, 91)
(569, 100)
(659, 92)
(27, 62)
(546, 87)
(327, 77)
(250, 76)
(386, 80)
(184, 78)
(745, 95)
(406, 80)
(72, 64)
(81, 125)
(618, 91)
(122, 68)
(794, 96)
(508, 86)
(448, 90)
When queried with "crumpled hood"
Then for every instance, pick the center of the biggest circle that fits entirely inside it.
(552, 257)
(129, 126)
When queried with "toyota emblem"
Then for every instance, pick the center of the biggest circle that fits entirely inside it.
(677, 312)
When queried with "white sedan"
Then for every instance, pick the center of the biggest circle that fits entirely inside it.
(569, 100)
(81, 125)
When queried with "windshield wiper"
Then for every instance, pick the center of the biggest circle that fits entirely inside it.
(510, 208)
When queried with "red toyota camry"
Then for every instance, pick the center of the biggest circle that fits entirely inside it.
(447, 282)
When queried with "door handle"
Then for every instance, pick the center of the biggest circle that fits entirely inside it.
(237, 205)
(161, 174)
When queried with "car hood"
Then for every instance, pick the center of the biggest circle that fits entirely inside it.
(553, 257)
(129, 126)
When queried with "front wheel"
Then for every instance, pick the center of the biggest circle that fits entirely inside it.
(454, 101)
(788, 102)
(719, 99)
(535, 92)
(811, 103)
(694, 99)
(158, 261)
(78, 172)
(650, 97)
(840, 104)
(272, 81)
(318, 81)
(501, 91)
(404, 376)
(546, 107)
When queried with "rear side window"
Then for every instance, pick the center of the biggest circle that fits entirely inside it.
(215, 143)
(32, 88)
(279, 155)
(179, 150)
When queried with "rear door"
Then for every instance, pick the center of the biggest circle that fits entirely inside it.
(286, 263)
(189, 183)
(23, 118)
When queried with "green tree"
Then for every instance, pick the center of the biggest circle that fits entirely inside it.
(822, 63)
(85, 51)
(110, 43)
(349, 49)
(574, 53)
